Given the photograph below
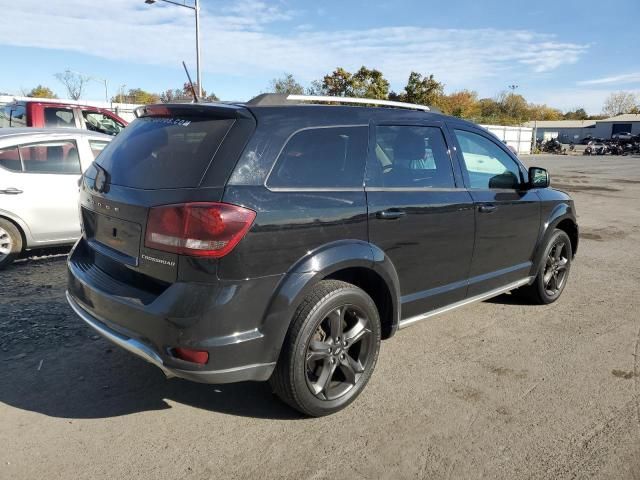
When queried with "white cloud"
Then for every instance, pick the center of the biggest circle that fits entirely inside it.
(591, 99)
(237, 40)
(622, 79)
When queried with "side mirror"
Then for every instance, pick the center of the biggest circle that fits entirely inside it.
(538, 177)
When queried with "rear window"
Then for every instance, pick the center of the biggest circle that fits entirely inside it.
(13, 115)
(322, 158)
(160, 152)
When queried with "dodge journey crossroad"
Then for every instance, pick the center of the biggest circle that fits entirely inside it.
(282, 239)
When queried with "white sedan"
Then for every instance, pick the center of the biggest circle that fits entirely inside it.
(39, 173)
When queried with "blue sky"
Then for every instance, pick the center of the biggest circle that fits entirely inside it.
(565, 54)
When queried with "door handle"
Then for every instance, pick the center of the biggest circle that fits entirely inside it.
(11, 191)
(390, 214)
(487, 208)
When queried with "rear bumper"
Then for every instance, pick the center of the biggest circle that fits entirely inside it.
(259, 372)
(223, 318)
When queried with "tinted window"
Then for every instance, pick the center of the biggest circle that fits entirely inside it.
(322, 158)
(487, 164)
(56, 117)
(10, 159)
(99, 122)
(163, 152)
(97, 146)
(410, 156)
(51, 157)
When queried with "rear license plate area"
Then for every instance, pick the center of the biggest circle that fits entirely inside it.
(114, 237)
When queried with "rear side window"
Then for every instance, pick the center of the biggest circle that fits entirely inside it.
(10, 159)
(56, 117)
(322, 158)
(51, 157)
(410, 157)
(163, 152)
(97, 146)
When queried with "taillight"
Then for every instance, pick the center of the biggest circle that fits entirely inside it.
(198, 229)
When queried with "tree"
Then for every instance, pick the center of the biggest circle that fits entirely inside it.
(367, 83)
(338, 84)
(576, 114)
(619, 102)
(41, 92)
(185, 94)
(136, 95)
(73, 82)
(286, 85)
(462, 104)
(421, 90)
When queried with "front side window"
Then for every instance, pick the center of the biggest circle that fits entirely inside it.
(60, 156)
(97, 146)
(10, 159)
(488, 166)
(99, 122)
(410, 157)
(322, 158)
(56, 117)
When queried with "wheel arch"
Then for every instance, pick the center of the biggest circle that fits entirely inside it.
(562, 217)
(20, 226)
(354, 261)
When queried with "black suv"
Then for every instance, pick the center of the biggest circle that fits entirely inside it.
(282, 241)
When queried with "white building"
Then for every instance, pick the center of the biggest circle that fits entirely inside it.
(568, 131)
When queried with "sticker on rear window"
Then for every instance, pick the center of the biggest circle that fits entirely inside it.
(181, 122)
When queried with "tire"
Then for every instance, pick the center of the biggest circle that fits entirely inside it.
(553, 271)
(330, 350)
(10, 242)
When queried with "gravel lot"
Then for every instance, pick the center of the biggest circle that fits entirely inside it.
(496, 389)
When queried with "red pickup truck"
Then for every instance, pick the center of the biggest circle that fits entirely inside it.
(41, 114)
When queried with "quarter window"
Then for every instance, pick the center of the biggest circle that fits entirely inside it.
(411, 157)
(10, 159)
(322, 158)
(488, 166)
(97, 146)
(51, 157)
(59, 117)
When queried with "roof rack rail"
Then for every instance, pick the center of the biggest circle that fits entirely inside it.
(365, 101)
(279, 99)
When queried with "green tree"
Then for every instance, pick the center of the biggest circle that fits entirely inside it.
(367, 83)
(41, 92)
(422, 90)
(576, 114)
(338, 84)
(286, 85)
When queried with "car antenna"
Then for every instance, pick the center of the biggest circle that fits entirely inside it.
(193, 90)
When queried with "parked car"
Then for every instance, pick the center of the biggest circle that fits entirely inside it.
(47, 114)
(233, 242)
(39, 173)
(623, 136)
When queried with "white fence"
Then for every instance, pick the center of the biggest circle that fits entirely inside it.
(124, 110)
(520, 138)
